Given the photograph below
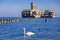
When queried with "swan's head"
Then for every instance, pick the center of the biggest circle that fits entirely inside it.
(23, 28)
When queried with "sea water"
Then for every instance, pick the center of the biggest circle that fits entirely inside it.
(43, 30)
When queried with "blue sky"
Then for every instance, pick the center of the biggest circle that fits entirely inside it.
(13, 8)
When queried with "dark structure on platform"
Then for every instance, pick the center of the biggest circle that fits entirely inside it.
(34, 13)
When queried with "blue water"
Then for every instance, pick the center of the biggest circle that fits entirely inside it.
(43, 30)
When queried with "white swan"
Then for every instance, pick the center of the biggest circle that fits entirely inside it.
(28, 33)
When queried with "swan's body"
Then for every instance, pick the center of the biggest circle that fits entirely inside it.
(28, 33)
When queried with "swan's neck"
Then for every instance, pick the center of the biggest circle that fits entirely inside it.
(24, 32)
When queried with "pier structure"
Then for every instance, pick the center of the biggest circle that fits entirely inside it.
(12, 20)
(34, 13)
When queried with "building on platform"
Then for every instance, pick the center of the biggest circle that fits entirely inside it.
(34, 13)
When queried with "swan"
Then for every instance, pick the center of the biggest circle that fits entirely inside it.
(28, 33)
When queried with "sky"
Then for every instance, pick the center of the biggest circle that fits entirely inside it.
(13, 8)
